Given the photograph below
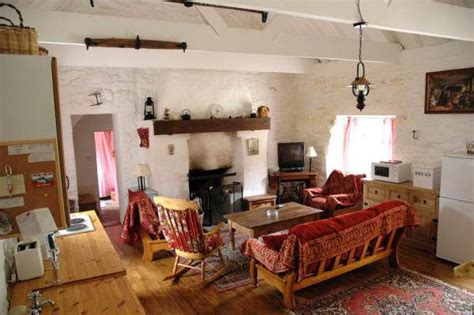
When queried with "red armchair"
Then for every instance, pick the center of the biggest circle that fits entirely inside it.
(340, 194)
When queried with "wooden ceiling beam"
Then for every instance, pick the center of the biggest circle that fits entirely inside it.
(213, 18)
(408, 16)
(71, 28)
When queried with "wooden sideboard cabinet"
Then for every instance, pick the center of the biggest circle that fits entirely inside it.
(425, 202)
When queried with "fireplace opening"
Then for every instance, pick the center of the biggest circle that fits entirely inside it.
(216, 192)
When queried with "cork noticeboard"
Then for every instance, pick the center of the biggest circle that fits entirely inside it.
(36, 160)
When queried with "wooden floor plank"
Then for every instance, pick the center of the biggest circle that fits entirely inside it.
(187, 296)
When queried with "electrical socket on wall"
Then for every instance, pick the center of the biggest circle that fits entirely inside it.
(171, 149)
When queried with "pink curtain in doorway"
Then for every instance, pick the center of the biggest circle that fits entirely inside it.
(106, 169)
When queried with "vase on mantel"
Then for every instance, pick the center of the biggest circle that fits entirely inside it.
(470, 147)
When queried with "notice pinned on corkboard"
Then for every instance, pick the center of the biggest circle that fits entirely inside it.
(34, 182)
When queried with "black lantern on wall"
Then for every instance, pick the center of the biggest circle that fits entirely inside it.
(149, 111)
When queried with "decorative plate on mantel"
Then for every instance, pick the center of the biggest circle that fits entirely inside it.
(217, 111)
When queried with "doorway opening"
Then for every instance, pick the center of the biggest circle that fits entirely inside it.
(96, 167)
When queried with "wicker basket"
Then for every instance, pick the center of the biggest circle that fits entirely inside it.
(17, 39)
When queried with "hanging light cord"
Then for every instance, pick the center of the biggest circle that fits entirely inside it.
(360, 44)
(360, 34)
(360, 13)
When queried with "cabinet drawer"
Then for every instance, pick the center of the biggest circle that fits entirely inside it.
(399, 195)
(376, 193)
(423, 200)
(267, 204)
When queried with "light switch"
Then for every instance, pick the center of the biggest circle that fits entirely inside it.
(171, 149)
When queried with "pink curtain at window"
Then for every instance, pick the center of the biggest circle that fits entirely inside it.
(366, 140)
(347, 136)
(106, 169)
(388, 136)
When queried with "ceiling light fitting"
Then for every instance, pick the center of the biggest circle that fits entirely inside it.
(360, 86)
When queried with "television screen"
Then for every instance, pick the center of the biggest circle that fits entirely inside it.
(291, 156)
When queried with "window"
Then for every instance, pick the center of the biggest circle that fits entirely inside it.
(357, 141)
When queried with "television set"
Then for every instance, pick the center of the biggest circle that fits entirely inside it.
(291, 156)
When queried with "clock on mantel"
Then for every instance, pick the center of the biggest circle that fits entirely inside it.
(217, 111)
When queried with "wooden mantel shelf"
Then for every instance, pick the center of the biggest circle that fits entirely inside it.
(169, 127)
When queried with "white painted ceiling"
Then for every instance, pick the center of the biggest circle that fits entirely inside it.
(175, 12)
(460, 3)
(146, 9)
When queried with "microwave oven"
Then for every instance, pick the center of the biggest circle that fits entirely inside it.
(391, 172)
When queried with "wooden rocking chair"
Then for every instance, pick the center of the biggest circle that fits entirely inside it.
(180, 225)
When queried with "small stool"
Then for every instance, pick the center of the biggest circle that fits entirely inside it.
(260, 201)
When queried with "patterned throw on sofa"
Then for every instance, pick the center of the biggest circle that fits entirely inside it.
(306, 245)
(141, 212)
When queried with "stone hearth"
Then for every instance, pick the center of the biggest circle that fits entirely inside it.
(204, 152)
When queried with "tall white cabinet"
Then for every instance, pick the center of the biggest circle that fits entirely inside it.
(456, 208)
(29, 116)
(27, 102)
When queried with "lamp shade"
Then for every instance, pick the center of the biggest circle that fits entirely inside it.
(143, 170)
(311, 152)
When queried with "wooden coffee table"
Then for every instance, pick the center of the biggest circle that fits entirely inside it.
(255, 223)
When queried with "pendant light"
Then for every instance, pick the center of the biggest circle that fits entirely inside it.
(360, 86)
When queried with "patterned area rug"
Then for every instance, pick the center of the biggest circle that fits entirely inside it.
(368, 290)
(237, 274)
(399, 291)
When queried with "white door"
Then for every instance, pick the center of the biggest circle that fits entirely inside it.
(457, 178)
(455, 230)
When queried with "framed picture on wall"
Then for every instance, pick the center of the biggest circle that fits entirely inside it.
(252, 146)
(450, 91)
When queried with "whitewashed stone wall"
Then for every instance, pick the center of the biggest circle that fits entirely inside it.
(124, 91)
(400, 91)
(302, 107)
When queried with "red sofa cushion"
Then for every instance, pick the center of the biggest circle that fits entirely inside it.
(274, 241)
(316, 229)
(319, 202)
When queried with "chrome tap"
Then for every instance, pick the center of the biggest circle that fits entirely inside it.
(54, 256)
(55, 262)
(37, 304)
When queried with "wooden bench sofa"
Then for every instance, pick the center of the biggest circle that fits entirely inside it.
(151, 246)
(317, 251)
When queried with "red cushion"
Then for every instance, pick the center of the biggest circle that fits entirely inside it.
(214, 241)
(274, 241)
(319, 202)
(316, 229)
